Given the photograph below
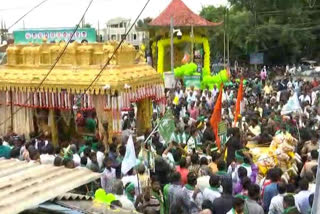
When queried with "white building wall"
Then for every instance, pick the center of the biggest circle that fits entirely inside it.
(114, 33)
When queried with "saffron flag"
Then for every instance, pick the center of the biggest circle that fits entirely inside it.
(238, 104)
(129, 160)
(216, 116)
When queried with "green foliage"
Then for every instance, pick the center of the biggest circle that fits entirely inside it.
(284, 30)
(185, 70)
(143, 23)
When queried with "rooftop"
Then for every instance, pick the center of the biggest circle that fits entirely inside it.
(25, 185)
(117, 21)
(182, 17)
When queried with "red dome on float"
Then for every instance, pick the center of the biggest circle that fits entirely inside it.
(182, 16)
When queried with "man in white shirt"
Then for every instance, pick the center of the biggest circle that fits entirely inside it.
(254, 129)
(75, 156)
(212, 192)
(276, 205)
(125, 202)
(190, 190)
(215, 91)
(47, 156)
(302, 198)
(100, 155)
(130, 178)
(108, 176)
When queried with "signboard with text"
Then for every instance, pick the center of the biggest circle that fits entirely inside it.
(256, 59)
(53, 35)
(192, 81)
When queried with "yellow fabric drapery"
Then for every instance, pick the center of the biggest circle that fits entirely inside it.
(102, 116)
(5, 113)
(23, 121)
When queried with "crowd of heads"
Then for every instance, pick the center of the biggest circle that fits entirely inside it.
(189, 173)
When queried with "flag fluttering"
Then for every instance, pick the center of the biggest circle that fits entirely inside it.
(167, 126)
(238, 104)
(130, 159)
(216, 116)
(292, 105)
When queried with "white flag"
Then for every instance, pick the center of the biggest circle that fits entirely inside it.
(292, 105)
(129, 160)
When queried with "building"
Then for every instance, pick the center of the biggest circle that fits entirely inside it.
(117, 28)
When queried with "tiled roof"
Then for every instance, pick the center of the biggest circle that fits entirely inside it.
(182, 16)
(26, 185)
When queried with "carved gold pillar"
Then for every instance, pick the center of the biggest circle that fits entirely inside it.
(85, 54)
(27, 54)
(54, 53)
(44, 51)
(13, 52)
(36, 55)
(70, 56)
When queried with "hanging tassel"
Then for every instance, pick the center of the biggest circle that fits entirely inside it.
(138, 94)
(144, 92)
(68, 100)
(23, 100)
(15, 98)
(113, 114)
(119, 114)
(89, 102)
(36, 104)
(85, 102)
(47, 99)
(52, 100)
(59, 100)
(31, 99)
(18, 98)
(64, 98)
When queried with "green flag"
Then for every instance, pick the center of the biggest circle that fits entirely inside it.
(167, 126)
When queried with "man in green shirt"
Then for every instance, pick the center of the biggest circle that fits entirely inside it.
(4, 150)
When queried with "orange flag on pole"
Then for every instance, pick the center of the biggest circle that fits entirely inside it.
(216, 116)
(239, 99)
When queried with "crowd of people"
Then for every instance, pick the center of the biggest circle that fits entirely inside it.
(190, 174)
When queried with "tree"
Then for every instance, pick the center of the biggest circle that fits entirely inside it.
(143, 23)
(216, 35)
(285, 31)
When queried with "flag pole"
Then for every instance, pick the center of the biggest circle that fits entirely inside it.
(154, 130)
(138, 183)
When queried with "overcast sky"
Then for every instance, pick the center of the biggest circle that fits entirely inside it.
(66, 13)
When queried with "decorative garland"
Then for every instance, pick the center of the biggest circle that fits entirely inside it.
(185, 38)
(65, 100)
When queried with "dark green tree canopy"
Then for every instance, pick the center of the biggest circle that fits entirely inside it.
(285, 31)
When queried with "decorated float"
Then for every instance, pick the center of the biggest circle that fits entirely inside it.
(280, 153)
(191, 49)
(63, 94)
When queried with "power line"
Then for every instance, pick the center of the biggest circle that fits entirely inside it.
(114, 52)
(110, 58)
(54, 64)
(38, 5)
